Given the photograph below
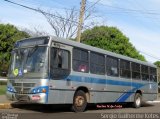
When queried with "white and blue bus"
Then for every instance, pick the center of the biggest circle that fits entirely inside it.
(51, 70)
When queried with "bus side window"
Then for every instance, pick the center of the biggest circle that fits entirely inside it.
(60, 58)
(153, 74)
(80, 60)
(112, 67)
(59, 63)
(97, 63)
(145, 72)
(135, 71)
(125, 70)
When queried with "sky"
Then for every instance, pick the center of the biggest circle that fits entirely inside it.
(139, 20)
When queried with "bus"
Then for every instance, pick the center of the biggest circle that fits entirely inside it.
(52, 70)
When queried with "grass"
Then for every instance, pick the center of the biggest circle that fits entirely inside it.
(2, 89)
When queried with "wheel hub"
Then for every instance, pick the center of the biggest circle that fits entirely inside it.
(138, 101)
(79, 101)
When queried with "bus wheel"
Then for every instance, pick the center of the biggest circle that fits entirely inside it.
(137, 100)
(79, 101)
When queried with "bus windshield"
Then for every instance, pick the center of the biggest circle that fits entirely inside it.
(29, 63)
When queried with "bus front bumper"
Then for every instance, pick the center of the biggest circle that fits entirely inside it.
(41, 98)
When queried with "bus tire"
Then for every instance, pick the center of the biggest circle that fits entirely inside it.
(79, 101)
(137, 100)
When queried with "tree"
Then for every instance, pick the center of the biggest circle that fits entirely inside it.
(35, 32)
(63, 25)
(9, 34)
(112, 39)
(157, 63)
(66, 24)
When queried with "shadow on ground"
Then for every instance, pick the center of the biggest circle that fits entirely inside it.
(55, 108)
(43, 108)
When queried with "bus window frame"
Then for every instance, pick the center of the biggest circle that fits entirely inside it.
(151, 74)
(118, 66)
(136, 71)
(69, 63)
(144, 73)
(88, 61)
(104, 63)
(128, 70)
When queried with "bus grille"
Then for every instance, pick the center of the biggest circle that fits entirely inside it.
(23, 88)
(24, 84)
(22, 97)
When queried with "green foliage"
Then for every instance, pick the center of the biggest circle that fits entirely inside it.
(9, 34)
(157, 63)
(2, 89)
(112, 39)
(3, 82)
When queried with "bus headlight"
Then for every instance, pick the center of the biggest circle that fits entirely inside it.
(43, 89)
(38, 91)
(10, 89)
(34, 91)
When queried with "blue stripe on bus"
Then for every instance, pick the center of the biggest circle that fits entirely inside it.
(126, 95)
(104, 81)
(123, 97)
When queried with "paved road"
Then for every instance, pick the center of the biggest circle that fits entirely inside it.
(34, 111)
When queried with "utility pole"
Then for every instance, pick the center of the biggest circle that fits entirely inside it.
(82, 11)
(158, 74)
